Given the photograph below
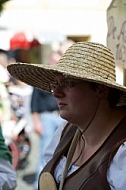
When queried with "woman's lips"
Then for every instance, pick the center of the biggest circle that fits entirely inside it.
(61, 104)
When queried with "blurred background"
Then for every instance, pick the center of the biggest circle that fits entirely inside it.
(39, 31)
(47, 23)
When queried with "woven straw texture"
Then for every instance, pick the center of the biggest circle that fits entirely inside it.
(83, 60)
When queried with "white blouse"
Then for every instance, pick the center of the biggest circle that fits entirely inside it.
(116, 174)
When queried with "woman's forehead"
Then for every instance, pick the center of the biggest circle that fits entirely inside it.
(64, 76)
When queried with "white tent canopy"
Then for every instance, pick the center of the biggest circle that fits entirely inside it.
(53, 20)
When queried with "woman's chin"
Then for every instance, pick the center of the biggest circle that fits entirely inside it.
(64, 115)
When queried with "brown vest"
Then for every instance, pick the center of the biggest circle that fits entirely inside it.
(92, 174)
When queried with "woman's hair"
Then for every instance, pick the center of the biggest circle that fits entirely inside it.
(113, 95)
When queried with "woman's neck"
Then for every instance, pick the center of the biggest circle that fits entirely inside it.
(103, 124)
(99, 122)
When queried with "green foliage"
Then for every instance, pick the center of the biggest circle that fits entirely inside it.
(1, 4)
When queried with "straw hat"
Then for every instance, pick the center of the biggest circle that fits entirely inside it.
(83, 60)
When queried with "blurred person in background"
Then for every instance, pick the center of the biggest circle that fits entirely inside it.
(7, 172)
(5, 111)
(20, 96)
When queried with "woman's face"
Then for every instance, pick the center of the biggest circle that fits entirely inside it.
(76, 103)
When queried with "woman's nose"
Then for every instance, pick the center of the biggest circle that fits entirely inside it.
(58, 92)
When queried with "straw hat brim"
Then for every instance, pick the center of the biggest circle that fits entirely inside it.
(41, 75)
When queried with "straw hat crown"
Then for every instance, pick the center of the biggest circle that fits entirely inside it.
(88, 60)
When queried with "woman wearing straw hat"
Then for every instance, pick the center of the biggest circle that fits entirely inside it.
(89, 151)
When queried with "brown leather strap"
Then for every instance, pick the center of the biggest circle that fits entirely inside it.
(69, 157)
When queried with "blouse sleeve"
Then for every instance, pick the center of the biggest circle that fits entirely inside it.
(116, 174)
